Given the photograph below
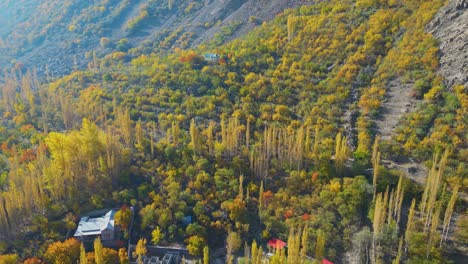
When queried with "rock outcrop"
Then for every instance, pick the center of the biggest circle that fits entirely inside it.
(450, 27)
(462, 4)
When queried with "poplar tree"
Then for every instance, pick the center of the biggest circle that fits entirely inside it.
(294, 245)
(448, 214)
(432, 188)
(194, 137)
(83, 259)
(376, 173)
(433, 230)
(341, 153)
(304, 244)
(247, 133)
(257, 253)
(139, 133)
(209, 137)
(260, 200)
(241, 187)
(375, 149)
(377, 222)
(206, 255)
(410, 223)
(320, 245)
(399, 197)
(175, 131)
(98, 251)
(151, 136)
(397, 260)
(315, 150)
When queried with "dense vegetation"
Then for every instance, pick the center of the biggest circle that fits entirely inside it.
(57, 37)
(252, 147)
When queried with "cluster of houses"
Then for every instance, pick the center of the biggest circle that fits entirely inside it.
(102, 223)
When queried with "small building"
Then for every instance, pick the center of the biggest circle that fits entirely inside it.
(326, 261)
(211, 57)
(277, 244)
(91, 227)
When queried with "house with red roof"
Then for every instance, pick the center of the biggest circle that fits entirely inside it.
(277, 244)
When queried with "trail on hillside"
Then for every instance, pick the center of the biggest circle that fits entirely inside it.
(398, 101)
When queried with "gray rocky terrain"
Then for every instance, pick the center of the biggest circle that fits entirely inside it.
(450, 27)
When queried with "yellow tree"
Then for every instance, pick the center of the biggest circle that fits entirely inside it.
(83, 259)
(206, 255)
(98, 251)
(141, 250)
(341, 153)
(320, 245)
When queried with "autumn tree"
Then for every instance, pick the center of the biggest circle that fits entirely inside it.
(206, 255)
(123, 217)
(320, 245)
(123, 256)
(341, 153)
(83, 259)
(233, 243)
(63, 252)
(195, 245)
(140, 249)
(98, 251)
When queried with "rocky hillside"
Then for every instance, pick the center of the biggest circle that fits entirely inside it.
(56, 37)
(450, 28)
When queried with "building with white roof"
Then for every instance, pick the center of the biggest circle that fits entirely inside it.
(91, 227)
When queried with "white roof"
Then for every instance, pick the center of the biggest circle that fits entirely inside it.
(94, 226)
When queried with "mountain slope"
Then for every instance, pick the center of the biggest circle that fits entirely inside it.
(251, 143)
(449, 27)
(56, 37)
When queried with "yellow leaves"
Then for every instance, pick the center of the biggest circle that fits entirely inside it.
(140, 249)
(334, 186)
(363, 142)
(71, 28)
(250, 78)
(118, 55)
(365, 3)
(433, 93)
(63, 252)
(9, 259)
(371, 99)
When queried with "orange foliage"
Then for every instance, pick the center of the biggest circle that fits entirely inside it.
(63, 252)
(315, 175)
(267, 197)
(28, 155)
(34, 260)
(288, 214)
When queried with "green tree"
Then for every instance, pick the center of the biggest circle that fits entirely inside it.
(123, 217)
(320, 245)
(233, 243)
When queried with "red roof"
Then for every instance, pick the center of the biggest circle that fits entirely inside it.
(326, 261)
(276, 243)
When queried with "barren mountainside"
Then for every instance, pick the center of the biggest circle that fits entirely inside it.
(56, 37)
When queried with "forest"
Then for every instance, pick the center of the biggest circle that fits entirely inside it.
(252, 147)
